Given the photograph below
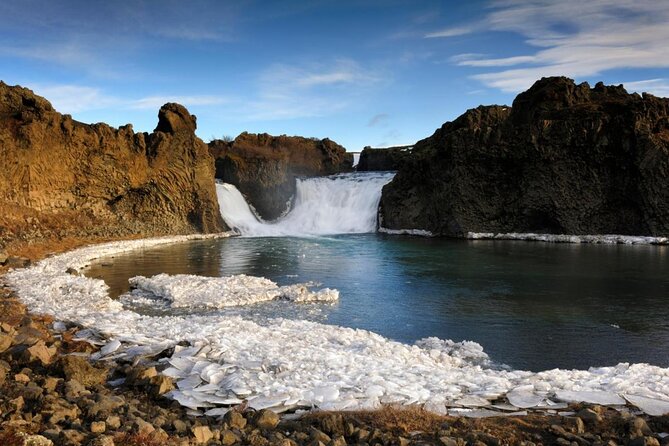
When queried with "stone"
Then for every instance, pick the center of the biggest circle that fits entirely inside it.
(105, 406)
(50, 384)
(448, 441)
(5, 342)
(234, 419)
(318, 435)
(102, 440)
(113, 422)
(574, 424)
(79, 369)
(161, 384)
(179, 426)
(98, 427)
(72, 437)
(589, 415)
(36, 440)
(202, 434)
(3, 257)
(638, 427)
(228, 438)
(39, 352)
(22, 378)
(266, 419)
(16, 404)
(644, 441)
(339, 440)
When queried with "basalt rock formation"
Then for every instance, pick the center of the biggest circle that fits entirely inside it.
(264, 167)
(390, 158)
(565, 158)
(104, 181)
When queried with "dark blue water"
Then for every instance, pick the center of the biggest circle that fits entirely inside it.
(531, 305)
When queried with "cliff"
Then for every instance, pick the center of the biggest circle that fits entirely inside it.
(61, 177)
(264, 167)
(565, 158)
(391, 158)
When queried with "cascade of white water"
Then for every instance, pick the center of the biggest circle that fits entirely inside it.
(337, 204)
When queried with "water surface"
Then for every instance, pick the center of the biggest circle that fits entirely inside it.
(531, 305)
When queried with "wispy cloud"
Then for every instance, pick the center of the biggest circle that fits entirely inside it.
(79, 98)
(658, 87)
(573, 37)
(75, 98)
(297, 91)
(154, 102)
(378, 120)
(453, 32)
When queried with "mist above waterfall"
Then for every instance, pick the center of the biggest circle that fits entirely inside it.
(337, 204)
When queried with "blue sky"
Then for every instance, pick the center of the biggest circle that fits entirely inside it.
(375, 72)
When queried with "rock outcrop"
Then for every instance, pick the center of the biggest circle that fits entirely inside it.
(565, 158)
(377, 159)
(95, 179)
(264, 167)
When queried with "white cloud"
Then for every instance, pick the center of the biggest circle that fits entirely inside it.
(74, 98)
(573, 38)
(658, 87)
(298, 91)
(79, 98)
(155, 102)
(452, 32)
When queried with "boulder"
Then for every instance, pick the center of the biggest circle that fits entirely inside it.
(564, 159)
(79, 369)
(264, 167)
(75, 178)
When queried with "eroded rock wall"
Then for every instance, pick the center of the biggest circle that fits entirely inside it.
(112, 181)
(565, 158)
(264, 167)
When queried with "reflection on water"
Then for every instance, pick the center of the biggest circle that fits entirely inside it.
(531, 305)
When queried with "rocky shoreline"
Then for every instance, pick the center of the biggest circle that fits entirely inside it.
(51, 390)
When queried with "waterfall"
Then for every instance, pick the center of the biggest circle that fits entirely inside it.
(337, 204)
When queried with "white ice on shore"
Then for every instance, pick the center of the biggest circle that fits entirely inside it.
(185, 290)
(287, 364)
(418, 232)
(607, 239)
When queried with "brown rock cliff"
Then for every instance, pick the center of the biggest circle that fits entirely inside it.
(565, 159)
(102, 180)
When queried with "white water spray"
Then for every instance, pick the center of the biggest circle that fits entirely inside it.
(338, 204)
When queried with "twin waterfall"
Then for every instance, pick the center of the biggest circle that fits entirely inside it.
(338, 204)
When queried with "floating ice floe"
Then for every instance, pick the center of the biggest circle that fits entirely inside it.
(221, 360)
(607, 239)
(219, 292)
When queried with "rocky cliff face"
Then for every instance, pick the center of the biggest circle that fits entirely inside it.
(391, 158)
(264, 167)
(106, 180)
(565, 158)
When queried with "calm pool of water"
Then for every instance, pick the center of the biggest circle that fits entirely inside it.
(531, 305)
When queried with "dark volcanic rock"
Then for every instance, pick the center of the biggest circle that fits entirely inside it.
(264, 167)
(564, 159)
(112, 180)
(390, 158)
